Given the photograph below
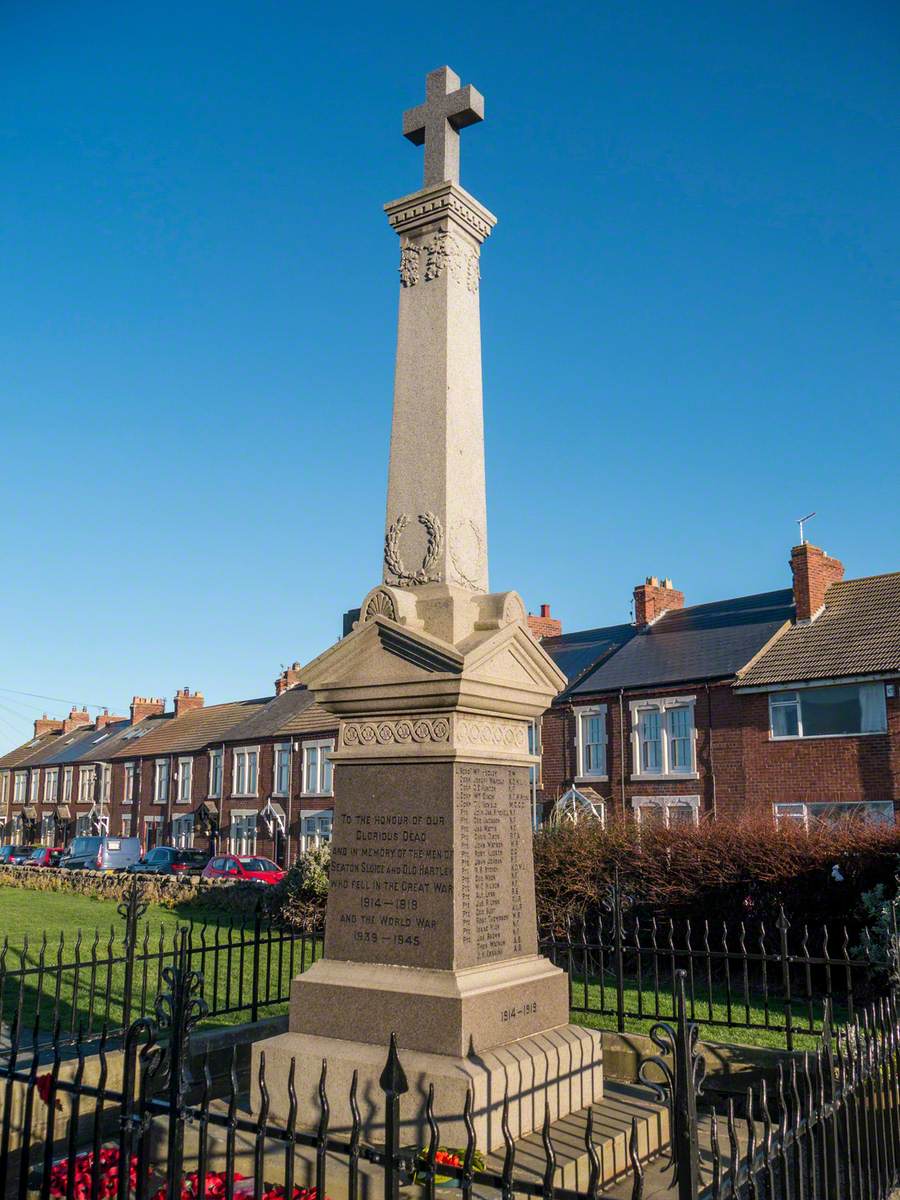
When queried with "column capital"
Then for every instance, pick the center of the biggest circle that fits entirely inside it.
(431, 205)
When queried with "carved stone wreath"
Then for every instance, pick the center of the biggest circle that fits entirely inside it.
(394, 562)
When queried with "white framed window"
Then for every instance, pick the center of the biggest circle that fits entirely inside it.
(185, 780)
(242, 833)
(317, 768)
(315, 829)
(215, 774)
(868, 812)
(161, 781)
(839, 710)
(67, 785)
(183, 831)
(663, 738)
(4, 789)
(667, 811)
(590, 741)
(35, 793)
(20, 787)
(105, 770)
(246, 772)
(534, 747)
(51, 785)
(131, 783)
(87, 777)
(126, 825)
(48, 830)
(282, 770)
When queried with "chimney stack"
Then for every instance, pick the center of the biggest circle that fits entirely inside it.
(76, 719)
(146, 706)
(47, 724)
(544, 626)
(105, 719)
(814, 572)
(185, 702)
(652, 599)
(288, 678)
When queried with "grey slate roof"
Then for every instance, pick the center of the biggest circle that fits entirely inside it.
(122, 734)
(61, 747)
(575, 653)
(858, 633)
(14, 758)
(193, 730)
(705, 641)
(294, 711)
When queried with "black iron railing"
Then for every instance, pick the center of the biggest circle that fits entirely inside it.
(104, 981)
(745, 975)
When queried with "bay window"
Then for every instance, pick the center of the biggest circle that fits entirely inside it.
(835, 711)
(666, 811)
(867, 812)
(590, 741)
(663, 737)
(242, 833)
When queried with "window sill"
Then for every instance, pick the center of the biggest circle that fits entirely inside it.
(245, 795)
(317, 795)
(591, 779)
(821, 737)
(665, 778)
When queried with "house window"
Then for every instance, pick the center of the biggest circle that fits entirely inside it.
(317, 768)
(282, 770)
(161, 781)
(666, 811)
(67, 785)
(242, 833)
(315, 829)
(183, 831)
(35, 786)
(20, 787)
(663, 737)
(246, 767)
(215, 773)
(131, 778)
(4, 787)
(185, 776)
(86, 779)
(105, 781)
(48, 830)
(534, 747)
(590, 741)
(51, 785)
(82, 824)
(126, 825)
(828, 711)
(868, 812)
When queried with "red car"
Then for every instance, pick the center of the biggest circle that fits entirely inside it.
(243, 866)
(44, 856)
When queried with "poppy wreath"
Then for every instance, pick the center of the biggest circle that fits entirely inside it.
(447, 1156)
(83, 1167)
(215, 1188)
(42, 1086)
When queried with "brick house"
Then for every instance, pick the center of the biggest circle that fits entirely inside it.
(694, 711)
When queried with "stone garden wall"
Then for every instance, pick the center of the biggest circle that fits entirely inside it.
(170, 891)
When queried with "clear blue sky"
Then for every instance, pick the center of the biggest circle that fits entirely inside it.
(688, 307)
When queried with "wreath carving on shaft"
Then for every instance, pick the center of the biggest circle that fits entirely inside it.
(392, 557)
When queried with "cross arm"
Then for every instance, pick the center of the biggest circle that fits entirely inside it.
(414, 124)
(465, 107)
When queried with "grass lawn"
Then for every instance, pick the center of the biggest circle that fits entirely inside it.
(224, 953)
(91, 992)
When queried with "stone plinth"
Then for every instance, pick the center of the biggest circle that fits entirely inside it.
(431, 931)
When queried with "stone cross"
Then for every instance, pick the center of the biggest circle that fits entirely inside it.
(447, 109)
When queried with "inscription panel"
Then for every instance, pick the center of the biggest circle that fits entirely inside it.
(495, 913)
(390, 897)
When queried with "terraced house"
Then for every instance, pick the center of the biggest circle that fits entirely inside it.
(252, 776)
(785, 701)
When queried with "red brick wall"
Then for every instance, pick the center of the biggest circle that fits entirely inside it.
(739, 766)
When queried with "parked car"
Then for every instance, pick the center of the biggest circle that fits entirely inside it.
(101, 853)
(14, 856)
(169, 860)
(45, 856)
(243, 866)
